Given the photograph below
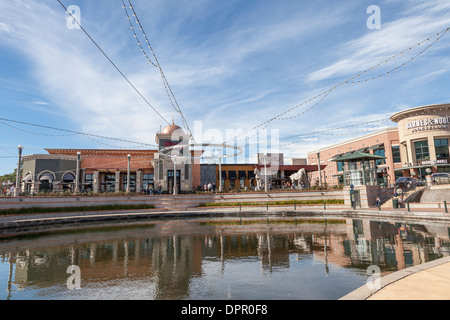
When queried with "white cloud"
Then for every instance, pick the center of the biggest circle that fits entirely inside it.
(377, 45)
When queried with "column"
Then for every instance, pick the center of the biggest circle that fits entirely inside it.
(117, 182)
(138, 181)
(96, 186)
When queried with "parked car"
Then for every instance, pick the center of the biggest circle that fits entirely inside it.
(405, 183)
(441, 177)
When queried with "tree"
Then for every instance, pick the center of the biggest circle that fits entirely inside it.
(10, 176)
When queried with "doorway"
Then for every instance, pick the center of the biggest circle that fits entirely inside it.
(170, 181)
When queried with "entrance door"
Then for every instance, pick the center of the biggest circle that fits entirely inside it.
(170, 180)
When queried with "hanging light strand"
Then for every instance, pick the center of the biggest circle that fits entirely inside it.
(171, 96)
(327, 92)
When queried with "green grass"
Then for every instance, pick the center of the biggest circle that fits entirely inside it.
(271, 203)
(272, 221)
(74, 209)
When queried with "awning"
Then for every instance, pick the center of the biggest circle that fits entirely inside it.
(46, 176)
(251, 174)
(336, 156)
(232, 175)
(224, 174)
(377, 146)
(28, 178)
(68, 177)
(358, 156)
(242, 175)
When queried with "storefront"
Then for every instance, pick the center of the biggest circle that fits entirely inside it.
(424, 134)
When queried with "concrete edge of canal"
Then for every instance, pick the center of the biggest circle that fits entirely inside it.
(29, 220)
(428, 281)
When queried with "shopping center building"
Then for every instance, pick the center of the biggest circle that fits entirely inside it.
(419, 142)
(424, 133)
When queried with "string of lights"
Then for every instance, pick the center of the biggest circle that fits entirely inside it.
(325, 93)
(351, 80)
(336, 128)
(166, 84)
(89, 135)
(113, 64)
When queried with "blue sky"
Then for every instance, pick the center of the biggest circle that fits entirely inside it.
(232, 65)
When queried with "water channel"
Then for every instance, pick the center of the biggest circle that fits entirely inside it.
(236, 258)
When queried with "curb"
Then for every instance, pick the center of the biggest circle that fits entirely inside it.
(363, 292)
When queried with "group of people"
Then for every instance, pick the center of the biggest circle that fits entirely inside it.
(210, 187)
(8, 191)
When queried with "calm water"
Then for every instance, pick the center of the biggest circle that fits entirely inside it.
(218, 258)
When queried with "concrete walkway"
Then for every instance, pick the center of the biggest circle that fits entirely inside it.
(429, 281)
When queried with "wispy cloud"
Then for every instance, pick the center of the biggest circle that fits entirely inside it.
(424, 20)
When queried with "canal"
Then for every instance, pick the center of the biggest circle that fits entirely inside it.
(236, 258)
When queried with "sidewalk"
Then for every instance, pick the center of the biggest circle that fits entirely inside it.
(429, 281)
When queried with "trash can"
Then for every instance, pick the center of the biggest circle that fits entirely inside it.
(395, 203)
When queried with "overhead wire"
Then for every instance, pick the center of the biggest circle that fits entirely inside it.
(89, 135)
(166, 84)
(326, 93)
(113, 64)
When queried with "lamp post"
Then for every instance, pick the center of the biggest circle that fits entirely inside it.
(265, 172)
(16, 192)
(174, 175)
(77, 174)
(128, 173)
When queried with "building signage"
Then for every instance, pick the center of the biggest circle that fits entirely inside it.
(438, 161)
(428, 124)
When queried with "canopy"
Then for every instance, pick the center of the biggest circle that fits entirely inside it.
(358, 156)
(46, 176)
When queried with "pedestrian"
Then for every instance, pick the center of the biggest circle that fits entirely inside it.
(378, 202)
(209, 187)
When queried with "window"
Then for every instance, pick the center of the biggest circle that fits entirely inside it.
(381, 153)
(340, 166)
(147, 181)
(441, 147)
(396, 154)
(422, 151)
(132, 182)
(89, 182)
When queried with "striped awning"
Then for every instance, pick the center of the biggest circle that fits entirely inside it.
(46, 176)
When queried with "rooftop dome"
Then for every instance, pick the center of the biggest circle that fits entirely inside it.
(171, 128)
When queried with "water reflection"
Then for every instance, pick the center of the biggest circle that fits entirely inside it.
(289, 258)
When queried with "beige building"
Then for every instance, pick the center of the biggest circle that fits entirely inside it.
(384, 143)
(420, 141)
(424, 134)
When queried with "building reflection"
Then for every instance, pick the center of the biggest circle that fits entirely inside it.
(169, 255)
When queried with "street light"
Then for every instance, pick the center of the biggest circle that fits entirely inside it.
(16, 192)
(265, 172)
(128, 173)
(77, 174)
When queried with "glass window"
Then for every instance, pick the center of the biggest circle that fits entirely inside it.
(132, 182)
(147, 181)
(396, 154)
(89, 182)
(441, 147)
(381, 153)
(340, 166)
(422, 151)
